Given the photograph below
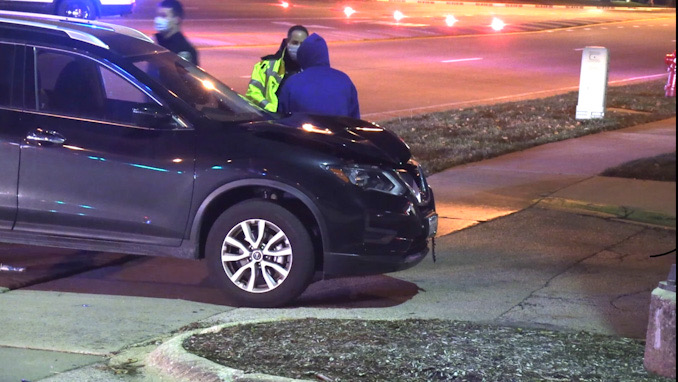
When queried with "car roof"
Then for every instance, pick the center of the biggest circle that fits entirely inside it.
(122, 40)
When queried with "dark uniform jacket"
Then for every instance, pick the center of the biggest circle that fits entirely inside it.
(178, 44)
(318, 89)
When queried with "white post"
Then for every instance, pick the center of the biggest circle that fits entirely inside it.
(592, 83)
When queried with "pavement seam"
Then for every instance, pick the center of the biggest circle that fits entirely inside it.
(624, 213)
(93, 354)
(617, 298)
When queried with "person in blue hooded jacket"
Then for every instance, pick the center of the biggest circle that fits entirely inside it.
(318, 88)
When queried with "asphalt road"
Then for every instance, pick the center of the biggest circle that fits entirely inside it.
(420, 64)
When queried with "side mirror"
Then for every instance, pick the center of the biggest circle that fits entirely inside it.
(152, 116)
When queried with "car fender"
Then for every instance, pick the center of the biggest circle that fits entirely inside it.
(307, 200)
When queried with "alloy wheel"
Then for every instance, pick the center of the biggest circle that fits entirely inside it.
(256, 255)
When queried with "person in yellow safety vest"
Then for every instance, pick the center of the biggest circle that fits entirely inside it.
(269, 73)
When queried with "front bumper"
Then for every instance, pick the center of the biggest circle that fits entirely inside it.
(386, 250)
(345, 264)
(373, 232)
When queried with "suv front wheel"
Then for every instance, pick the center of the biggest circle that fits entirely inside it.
(260, 254)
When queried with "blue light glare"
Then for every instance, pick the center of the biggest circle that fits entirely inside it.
(97, 158)
(88, 25)
(149, 167)
(86, 206)
(217, 167)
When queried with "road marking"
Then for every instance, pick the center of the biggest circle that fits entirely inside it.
(283, 23)
(463, 59)
(394, 23)
(652, 76)
(312, 26)
(210, 42)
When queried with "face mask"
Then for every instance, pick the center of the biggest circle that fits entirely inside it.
(292, 51)
(161, 24)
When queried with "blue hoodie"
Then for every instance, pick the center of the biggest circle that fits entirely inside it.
(318, 88)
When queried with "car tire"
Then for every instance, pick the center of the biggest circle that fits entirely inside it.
(81, 9)
(260, 254)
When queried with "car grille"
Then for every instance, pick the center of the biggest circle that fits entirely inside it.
(413, 176)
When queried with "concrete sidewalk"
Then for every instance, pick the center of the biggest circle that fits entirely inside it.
(562, 174)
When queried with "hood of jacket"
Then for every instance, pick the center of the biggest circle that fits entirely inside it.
(313, 52)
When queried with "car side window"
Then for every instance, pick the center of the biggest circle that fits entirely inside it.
(78, 86)
(9, 76)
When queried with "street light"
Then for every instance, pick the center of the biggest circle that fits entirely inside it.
(450, 20)
(497, 24)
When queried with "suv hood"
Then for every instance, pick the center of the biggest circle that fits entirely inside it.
(348, 138)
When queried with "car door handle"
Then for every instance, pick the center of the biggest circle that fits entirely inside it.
(40, 136)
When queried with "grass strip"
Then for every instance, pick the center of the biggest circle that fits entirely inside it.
(445, 139)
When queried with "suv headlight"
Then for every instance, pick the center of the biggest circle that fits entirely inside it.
(369, 178)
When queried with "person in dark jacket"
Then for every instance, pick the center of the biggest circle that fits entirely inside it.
(170, 14)
(318, 88)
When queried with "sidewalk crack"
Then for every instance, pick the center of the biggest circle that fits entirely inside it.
(548, 195)
(546, 284)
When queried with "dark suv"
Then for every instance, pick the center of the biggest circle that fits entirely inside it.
(109, 142)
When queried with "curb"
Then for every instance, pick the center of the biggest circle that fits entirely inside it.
(172, 360)
(610, 211)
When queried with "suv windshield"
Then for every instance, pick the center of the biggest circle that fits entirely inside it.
(199, 89)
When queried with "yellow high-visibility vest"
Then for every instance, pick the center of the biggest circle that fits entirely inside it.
(266, 78)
